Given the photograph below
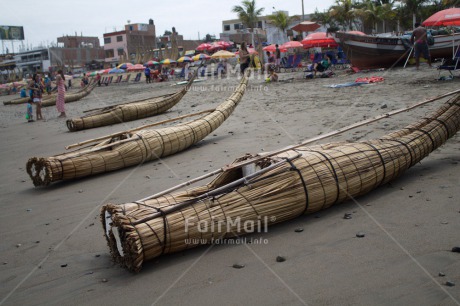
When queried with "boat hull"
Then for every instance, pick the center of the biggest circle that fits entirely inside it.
(281, 187)
(371, 52)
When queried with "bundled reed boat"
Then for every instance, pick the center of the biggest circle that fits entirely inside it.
(50, 100)
(25, 99)
(131, 147)
(128, 111)
(259, 190)
(71, 97)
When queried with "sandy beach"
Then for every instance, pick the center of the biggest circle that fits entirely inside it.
(53, 251)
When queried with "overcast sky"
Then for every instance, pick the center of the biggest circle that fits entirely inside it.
(45, 20)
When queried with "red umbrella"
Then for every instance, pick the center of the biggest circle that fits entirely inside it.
(319, 39)
(136, 67)
(203, 47)
(306, 26)
(224, 44)
(449, 17)
(291, 44)
(272, 48)
(250, 50)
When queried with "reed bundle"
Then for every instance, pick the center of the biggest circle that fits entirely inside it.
(49, 100)
(71, 97)
(271, 189)
(128, 111)
(132, 147)
(25, 99)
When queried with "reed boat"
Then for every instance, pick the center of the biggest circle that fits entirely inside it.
(368, 52)
(128, 111)
(50, 100)
(259, 190)
(71, 97)
(25, 99)
(131, 147)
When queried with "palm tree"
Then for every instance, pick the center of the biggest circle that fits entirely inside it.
(414, 6)
(282, 21)
(248, 14)
(343, 11)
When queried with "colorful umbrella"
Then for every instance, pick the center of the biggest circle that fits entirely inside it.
(124, 66)
(203, 47)
(291, 45)
(223, 54)
(272, 48)
(116, 70)
(201, 57)
(185, 59)
(104, 71)
(306, 26)
(135, 67)
(319, 39)
(90, 74)
(449, 17)
(167, 61)
(151, 63)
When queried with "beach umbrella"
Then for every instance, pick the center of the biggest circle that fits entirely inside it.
(449, 17)
(201, 57)
(116, 70)
(306, 26)
(223, 54)
(250, 50)
(136, 67)
(151, 63)
(291, 45)
(167, 61)
(319, 39)
(272, 48)
(203, 47)
(185, 59)
(124, 66)
(224, 44)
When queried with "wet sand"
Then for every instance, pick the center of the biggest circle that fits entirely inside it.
(53, 251)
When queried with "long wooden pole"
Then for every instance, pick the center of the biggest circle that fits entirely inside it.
(213, 192)
(333, 133)
(137, 129)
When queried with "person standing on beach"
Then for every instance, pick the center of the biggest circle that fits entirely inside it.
(244, 58)
(147, 75)
(419, 40)
(36, 89)
(277, 57)
(60, 99)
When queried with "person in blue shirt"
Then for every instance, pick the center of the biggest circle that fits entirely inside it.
(147, 75)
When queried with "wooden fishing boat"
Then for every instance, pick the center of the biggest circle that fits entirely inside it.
(131, 147)
(128, 111)
(259, 190)
(367, 52)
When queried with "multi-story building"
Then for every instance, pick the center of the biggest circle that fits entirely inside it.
(139, 37)
(33, 61)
